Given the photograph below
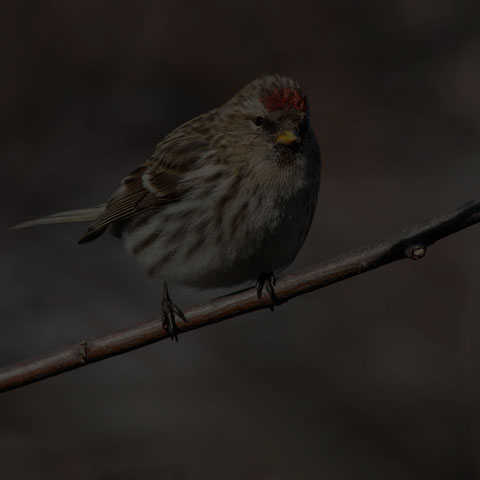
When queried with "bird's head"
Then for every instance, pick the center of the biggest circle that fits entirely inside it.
(271, 111)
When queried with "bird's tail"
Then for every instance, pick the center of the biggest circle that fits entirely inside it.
(85, 215)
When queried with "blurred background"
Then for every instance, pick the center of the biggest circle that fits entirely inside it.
(375, 377)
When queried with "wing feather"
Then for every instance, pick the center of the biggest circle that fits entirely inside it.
(154, 184)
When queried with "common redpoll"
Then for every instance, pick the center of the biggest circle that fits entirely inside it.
(226, 198)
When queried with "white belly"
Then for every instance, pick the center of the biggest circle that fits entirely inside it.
(193, 246)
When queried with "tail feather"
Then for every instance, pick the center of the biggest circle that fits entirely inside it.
(85, 215)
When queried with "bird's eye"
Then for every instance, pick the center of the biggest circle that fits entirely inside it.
(258, 121)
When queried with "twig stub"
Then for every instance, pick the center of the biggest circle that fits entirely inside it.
(416, 252)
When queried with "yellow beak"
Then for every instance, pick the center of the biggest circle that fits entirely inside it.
(288, 137)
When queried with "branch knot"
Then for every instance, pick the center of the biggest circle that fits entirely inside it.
(83, 351)
(416, 252)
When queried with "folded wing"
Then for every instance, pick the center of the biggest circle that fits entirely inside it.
(156, 183)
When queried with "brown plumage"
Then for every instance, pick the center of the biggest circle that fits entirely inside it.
(225, 198)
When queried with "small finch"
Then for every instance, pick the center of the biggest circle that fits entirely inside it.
(226, 198)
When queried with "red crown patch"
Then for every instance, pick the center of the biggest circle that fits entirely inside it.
(281, 98)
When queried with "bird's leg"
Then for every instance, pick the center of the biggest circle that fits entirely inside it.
(268, 281)
(169, 310)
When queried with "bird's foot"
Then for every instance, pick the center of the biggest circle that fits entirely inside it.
(268, 281)
(169, 311)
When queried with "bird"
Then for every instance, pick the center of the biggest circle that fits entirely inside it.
(226, 198)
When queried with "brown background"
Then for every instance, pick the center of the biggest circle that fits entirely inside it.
(376, 377)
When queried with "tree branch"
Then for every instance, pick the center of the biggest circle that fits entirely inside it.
(411, 242)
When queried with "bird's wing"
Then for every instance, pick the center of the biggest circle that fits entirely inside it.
(157, 182)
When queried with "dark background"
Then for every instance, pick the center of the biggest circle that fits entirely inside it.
(375, 377)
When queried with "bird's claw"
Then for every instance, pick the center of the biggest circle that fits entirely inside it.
(169, 311)
(268, 281)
